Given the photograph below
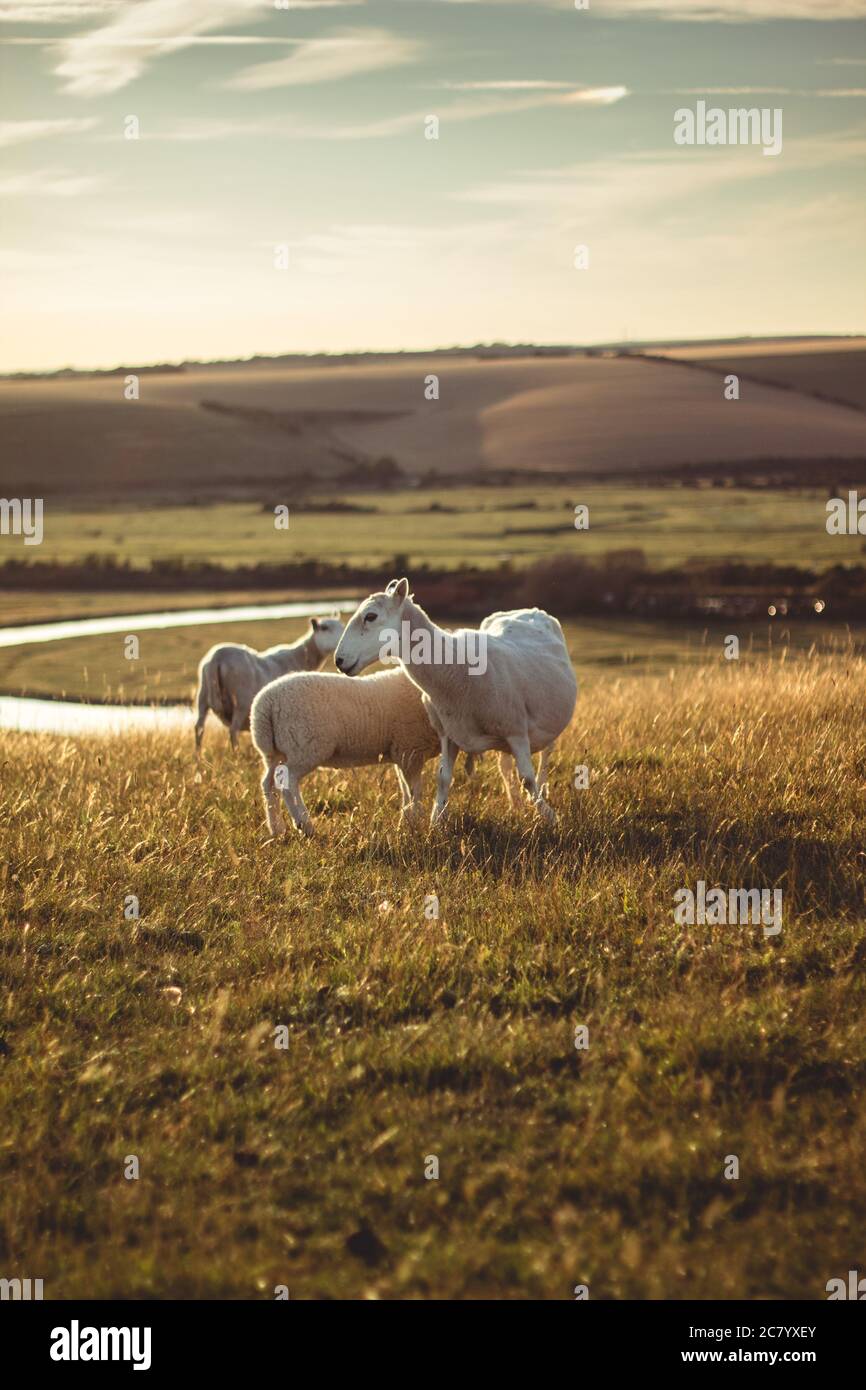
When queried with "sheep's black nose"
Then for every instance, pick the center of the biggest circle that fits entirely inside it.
(339, 663)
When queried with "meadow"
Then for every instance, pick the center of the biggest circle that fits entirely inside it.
(412, 1036)
(447, 528)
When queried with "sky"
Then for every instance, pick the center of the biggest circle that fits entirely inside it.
(283, 194)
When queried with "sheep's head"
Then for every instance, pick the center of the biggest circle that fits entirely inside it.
(326, 633)
(366, 631)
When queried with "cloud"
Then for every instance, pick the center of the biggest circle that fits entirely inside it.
(461, 111)
(520, 84)
(766, 91)
(48, 183)
(708, 11)
(53, 11)
(105, 59)
(343, 54)
(18, 132)
(726, 11)
(663, 178)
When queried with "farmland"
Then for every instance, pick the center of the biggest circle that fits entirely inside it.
(248, 431)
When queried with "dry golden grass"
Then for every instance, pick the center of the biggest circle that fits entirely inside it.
(412, 1036)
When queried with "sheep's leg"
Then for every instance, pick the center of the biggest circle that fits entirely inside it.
(412, 781)
(523, 757)
(203, 709)
(508, 774)
(276, 823)
(405, 794)
(290, 787)
(542, 769)
(443, 778)
(236, 726)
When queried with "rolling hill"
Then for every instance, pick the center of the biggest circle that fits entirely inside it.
(229, 431)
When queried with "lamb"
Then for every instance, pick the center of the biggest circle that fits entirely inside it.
(517, 695)
(301, 722)
(230, 677)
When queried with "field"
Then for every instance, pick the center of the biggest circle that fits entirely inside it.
(247, 431)
(412, 1036)
(833, 372)
(95, 668)
(475, 526)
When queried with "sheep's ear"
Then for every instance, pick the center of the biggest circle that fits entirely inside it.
(314, 624)
(398, 588)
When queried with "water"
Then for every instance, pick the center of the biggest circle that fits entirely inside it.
(65, 717)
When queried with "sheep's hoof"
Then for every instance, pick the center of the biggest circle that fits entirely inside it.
(306, 829)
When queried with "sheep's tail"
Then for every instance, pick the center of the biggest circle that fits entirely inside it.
(262, 728)
(210, 693)
(208, 696)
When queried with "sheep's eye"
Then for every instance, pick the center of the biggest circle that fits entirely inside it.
(368, 617)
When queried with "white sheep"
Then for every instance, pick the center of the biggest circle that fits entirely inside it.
(301, 722)
(508, 685)
(230, 676)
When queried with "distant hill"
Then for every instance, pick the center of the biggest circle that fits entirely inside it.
(237, 431)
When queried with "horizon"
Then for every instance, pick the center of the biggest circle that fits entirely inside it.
(506, 349)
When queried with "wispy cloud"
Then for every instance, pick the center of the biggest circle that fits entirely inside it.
(766, 92)
(663, 177)
(343, 54)
(48, 183)
(708, 11)
(53, 11)
(458, 112)
(20, 132)
(104, 59)
(511, 84)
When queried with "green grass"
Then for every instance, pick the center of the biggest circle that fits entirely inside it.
(410, 1037)
(672, 526)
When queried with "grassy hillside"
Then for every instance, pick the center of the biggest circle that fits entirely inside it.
(236, 431)
(411, 1036)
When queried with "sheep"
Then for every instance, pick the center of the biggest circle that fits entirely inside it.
(230, 677)
(517, 694)
(301, 722)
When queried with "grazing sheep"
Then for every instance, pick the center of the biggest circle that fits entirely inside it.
(301, 722)
(230, 677)
(516, 694)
